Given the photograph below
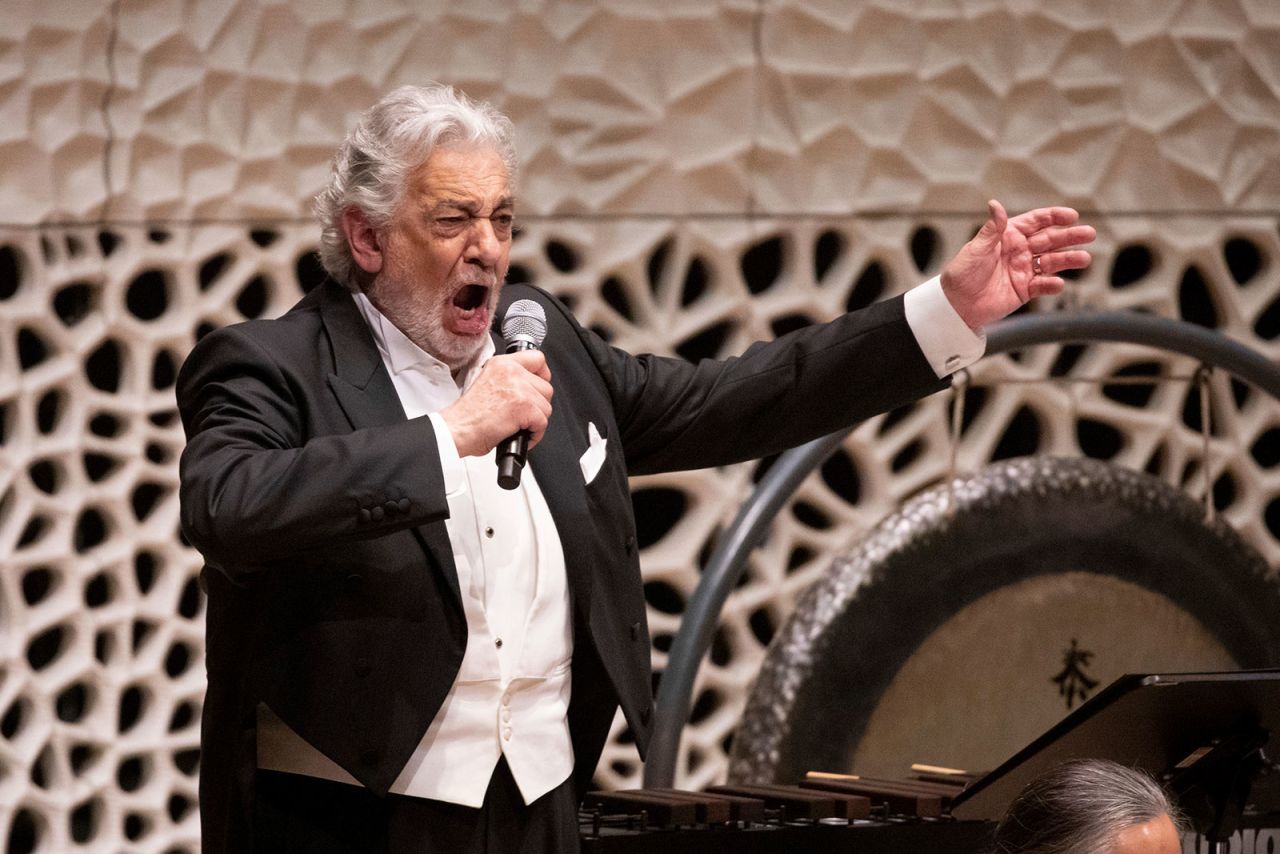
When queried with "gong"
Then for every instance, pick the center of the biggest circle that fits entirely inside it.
(983, 611)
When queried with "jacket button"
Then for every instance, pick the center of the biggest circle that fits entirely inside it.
(404, 505)
(369, 756)
(391, 506)
(364, 514)
(646, 714)
(630, 545)
(377, 513)
(635, 631)
(353, 583)
(363, 667)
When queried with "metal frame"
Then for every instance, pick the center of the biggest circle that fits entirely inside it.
(698, 624)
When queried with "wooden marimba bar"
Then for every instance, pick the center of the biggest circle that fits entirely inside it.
(825, 812)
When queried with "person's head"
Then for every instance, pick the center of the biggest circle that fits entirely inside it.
(1090, 806)
(418, 215)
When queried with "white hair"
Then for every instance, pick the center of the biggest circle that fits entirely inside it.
(393, 138)
(1079, 806)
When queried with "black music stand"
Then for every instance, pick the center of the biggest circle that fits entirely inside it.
(1206, 736)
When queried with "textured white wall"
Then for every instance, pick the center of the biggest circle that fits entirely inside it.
(696, 175)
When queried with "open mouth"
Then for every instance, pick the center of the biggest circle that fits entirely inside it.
(470, 315)
(471, 297)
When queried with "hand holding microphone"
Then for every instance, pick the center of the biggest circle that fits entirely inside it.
(510, 398)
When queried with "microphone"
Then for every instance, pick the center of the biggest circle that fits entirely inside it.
(524, 327)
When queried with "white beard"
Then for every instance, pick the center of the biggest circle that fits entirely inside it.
(420, 315)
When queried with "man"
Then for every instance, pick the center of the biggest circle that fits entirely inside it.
(401, 656)
(1090, 806)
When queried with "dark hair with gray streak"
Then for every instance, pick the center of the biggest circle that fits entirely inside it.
(395, 136)
(1078, 808)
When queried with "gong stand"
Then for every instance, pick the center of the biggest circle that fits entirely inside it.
(1213, 783)
(728, 561)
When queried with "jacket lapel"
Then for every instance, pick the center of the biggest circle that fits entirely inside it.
(555, 463)
(368, 398)
(359, 379)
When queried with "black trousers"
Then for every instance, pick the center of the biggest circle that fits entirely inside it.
(306, 815)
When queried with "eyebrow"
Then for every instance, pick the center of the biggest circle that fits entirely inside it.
(469, 206)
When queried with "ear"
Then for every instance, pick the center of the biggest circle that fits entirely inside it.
(363, 240)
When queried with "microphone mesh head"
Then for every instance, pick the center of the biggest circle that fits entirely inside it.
(525, 321)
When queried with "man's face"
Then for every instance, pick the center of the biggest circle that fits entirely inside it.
(446, 252)
(1157, 836)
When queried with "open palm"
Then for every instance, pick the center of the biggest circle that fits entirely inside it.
(997, 271)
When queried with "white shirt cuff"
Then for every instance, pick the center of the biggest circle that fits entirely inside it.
(455, 474)
(945, 339)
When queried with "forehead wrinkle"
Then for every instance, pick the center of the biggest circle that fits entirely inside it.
(458, 176)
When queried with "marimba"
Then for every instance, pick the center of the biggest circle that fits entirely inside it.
(825, 812)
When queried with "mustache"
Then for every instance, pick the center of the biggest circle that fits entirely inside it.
(490, 280)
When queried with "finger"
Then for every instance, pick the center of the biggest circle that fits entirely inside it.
(1053, 239)
(538, 427)
(543, 388)
(1043, 286)
(539, 393)
(997, 219)
(533, 361)
(528, 413)
(1032, 221)
(1056, 262)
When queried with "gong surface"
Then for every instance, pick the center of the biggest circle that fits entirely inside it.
(1014, 662)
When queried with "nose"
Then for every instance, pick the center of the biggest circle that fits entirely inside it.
(485, 246)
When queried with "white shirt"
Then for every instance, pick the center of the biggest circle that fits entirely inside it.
(512, 697)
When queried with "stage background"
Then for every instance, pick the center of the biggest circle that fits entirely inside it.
(696, 175)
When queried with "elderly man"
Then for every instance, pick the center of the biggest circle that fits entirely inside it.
(1090, 806)
(402, 656)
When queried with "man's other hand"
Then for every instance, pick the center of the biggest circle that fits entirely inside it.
(512, 393)
(1011, 261)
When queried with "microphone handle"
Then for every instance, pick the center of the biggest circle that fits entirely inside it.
(512, 451)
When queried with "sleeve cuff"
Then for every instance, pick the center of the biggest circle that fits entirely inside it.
(945, 339)
(450, 463)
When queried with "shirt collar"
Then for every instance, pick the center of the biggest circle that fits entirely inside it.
(401, 354)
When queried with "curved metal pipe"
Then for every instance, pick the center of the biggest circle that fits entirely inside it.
(698, 625)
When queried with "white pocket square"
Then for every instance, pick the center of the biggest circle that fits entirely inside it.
(593, 459)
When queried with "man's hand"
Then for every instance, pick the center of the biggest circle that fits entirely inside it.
(1011, 261)
(512, 393)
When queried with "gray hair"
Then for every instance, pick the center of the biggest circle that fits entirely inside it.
(1078, 807)
(394, 137)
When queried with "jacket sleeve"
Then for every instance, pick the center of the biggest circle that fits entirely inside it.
(776, 395)
(259, 484)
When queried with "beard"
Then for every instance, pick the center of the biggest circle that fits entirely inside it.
(425, 314)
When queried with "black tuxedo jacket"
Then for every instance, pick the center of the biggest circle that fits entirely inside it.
(319, 509)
